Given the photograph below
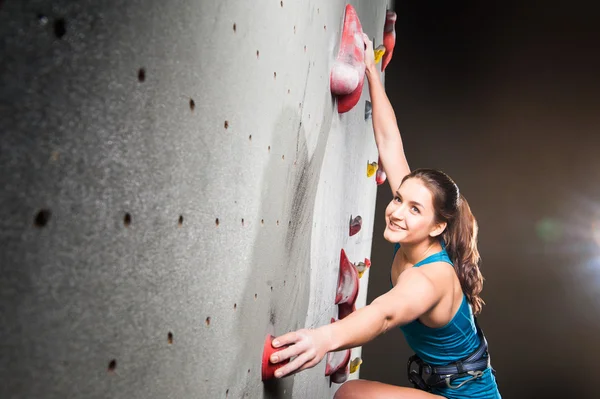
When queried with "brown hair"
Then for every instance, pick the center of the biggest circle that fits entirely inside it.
(460, 235)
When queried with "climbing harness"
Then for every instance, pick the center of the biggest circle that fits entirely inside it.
(429, 376)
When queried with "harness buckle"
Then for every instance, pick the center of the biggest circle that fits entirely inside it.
(474, 375)
(416, 377)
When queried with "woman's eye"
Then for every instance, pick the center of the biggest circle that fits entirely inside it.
(397, 199)
(415, 209)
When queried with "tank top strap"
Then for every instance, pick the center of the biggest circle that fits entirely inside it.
(441, 256)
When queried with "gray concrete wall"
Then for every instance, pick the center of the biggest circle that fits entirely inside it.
(176, 184)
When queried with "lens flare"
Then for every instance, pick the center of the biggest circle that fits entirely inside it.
(549, 230)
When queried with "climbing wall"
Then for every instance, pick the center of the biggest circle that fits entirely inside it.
(176, 184)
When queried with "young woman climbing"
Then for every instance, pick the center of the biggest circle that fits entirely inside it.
(435, 278)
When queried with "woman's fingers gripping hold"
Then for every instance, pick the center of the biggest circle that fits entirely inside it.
(369, 51)
(300, 363)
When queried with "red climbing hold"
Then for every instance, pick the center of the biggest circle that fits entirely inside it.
(347, 75)
(344, 309)
(389, 38)
(380, 175)
(268, 368)
(355, 225)
(347, 289)
(340, 376)
(337, 361)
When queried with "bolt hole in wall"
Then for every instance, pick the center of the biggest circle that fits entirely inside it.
(234, 27)
(226, 124)
(170, 338)
(112, 366)
(60, 28)
(127, 219)
(217, 221)
(180, 221)
(42, 218)
(208, 321)
(141, 75)
(192, 104)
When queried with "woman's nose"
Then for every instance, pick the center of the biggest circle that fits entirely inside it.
(398, 212)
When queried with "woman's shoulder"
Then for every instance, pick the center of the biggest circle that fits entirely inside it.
(440, 272)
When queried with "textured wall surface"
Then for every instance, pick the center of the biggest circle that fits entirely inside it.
(176, 184)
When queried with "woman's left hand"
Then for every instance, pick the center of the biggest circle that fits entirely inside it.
(309, 347)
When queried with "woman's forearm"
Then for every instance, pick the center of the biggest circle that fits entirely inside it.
(356, 329)
(385, 125)
(387, 134)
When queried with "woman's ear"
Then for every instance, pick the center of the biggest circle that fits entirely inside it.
(438, 229)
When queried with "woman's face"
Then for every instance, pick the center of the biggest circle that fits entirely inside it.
(410, 217)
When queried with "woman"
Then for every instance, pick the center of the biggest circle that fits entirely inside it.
(435, 277)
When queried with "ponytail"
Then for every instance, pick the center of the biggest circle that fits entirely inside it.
(461, 243)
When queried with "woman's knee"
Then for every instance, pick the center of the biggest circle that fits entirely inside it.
(348, 390)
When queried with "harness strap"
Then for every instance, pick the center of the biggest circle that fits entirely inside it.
(473, 366)
(475, 362)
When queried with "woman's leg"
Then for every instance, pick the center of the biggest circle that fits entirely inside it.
(363, 389)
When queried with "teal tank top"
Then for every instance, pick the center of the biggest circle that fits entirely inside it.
(454, 341)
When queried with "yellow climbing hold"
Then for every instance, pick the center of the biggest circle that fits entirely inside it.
(354, 364)
(379, 52)
(372, 168)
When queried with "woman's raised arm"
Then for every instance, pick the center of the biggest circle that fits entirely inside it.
(387, 134)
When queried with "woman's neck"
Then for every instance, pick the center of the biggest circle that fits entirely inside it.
(413, 254)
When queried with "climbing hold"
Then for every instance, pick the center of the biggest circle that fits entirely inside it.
(347, 289)
(368, 109)
(372, 168)
(355, 364)
(347, 75)
(340, 376)
(380, 177)
(378, 53)
(344, 309)
(361, 267)
(389, 38)
(268, 368)
(355, 225)
(337, 360)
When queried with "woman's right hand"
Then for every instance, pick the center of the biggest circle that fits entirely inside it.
(307, 345)
(369, 52)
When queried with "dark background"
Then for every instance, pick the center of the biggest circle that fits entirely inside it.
(504, 97)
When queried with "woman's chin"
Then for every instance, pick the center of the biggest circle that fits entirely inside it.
(393, 236)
